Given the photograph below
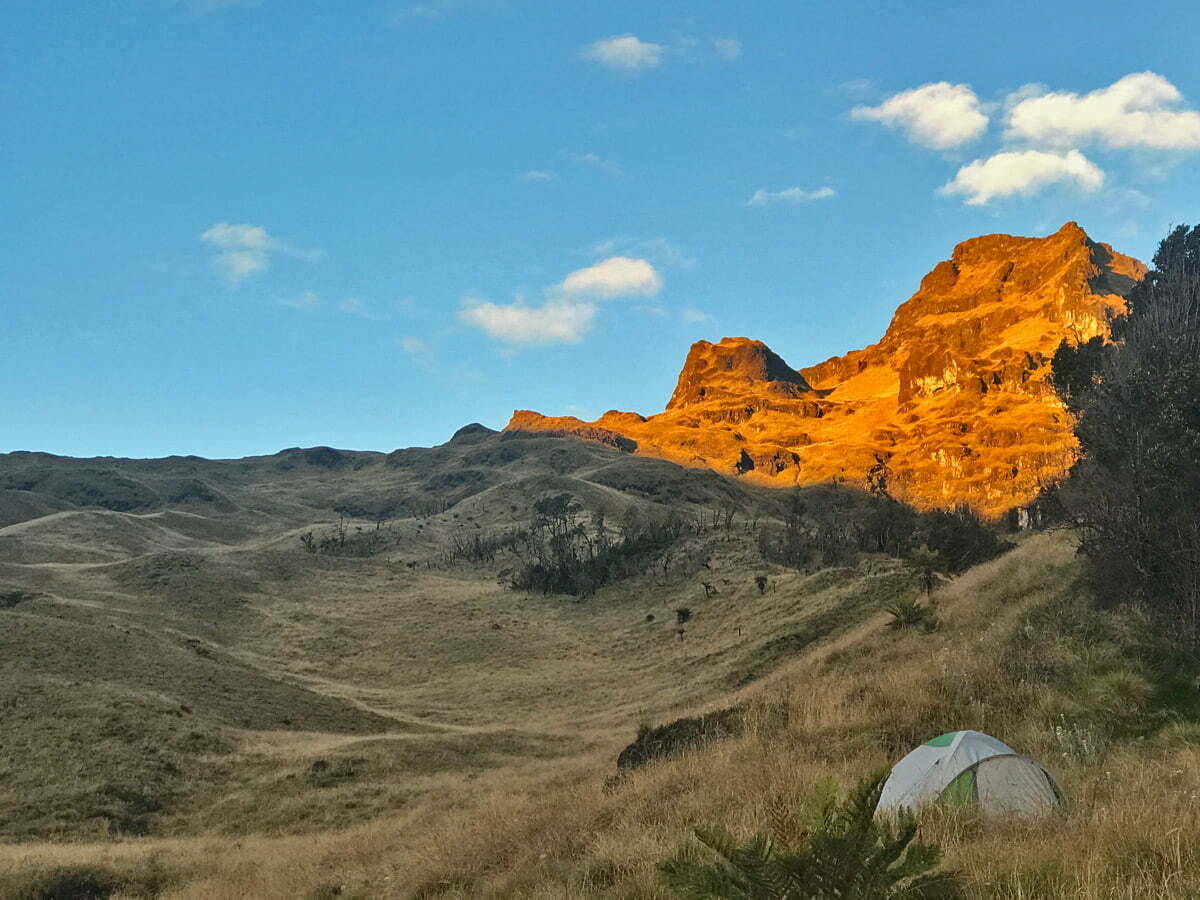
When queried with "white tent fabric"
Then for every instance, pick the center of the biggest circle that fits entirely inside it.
(1003, 781)
(1015, 785)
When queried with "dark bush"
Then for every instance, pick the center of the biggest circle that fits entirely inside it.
(72, 882)
(680, 736)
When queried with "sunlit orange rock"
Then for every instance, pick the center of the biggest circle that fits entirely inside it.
(953, 405)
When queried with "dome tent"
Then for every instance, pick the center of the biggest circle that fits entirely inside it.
(967, 767)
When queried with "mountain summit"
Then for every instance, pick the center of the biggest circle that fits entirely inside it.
(952, 407)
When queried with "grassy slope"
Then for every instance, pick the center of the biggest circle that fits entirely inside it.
(285, 725)
(1017, 655)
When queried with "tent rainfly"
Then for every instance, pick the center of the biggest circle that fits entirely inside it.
(967, 768)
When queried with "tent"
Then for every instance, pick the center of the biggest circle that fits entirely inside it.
(967, 768)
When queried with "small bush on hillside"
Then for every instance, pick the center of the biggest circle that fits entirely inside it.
(909, 612)
(680, 736)
(76, 882)
(926, 563)
(88, 882)
(847, 855)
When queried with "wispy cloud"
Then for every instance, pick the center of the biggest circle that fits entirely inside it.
(536, 176)
(595, 161)
(307, 300)
(200, 7)
(1025, 173)
(727, 48)
(413, 346)
(432, 10)
(628, 54)
(789, 195)
(939, 115)
(693, 316)
(244, 250)
(657, 250)
(624, 53)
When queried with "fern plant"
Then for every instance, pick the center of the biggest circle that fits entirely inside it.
(848, 855)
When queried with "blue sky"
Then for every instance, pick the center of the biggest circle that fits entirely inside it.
(231, 227)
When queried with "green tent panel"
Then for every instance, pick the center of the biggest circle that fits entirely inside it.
(961, 791)
(942, 740)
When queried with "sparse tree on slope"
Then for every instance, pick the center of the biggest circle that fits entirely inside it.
(1136, 492)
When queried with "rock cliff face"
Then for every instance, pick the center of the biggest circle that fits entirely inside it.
(952, 407)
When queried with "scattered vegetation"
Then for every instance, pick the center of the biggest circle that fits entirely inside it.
(343, 540)
(561, 554)
(833, 534)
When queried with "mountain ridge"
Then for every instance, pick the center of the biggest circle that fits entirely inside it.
(952, 407)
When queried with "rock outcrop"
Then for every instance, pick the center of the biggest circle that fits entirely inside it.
(952, 407)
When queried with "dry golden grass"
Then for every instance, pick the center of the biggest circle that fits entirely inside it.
(1017, 654)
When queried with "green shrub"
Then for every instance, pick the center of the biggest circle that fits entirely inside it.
(847, 855)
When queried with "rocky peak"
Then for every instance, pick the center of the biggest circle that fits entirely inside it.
(954, 402)
(738, 368)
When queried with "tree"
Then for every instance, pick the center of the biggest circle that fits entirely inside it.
(848, 855)
(926, 563)
(1135, 493)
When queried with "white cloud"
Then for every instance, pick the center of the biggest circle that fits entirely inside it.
(537, 175)
(307, 300)
(789, 195)
(243, 250)
(938, 115)
(596, 161)
(569, 312)
(694, 316)
(624, 53)
(557, 321)
(617, 276)
(413, 346)
(727, 48)
(1139, 110)
(1021, 172)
